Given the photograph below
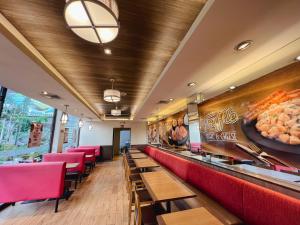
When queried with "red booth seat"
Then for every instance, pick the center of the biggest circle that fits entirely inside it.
(87, 151)
(75, 157)
(252, 203)
(267, 207)
(32, 181)
(97, 149)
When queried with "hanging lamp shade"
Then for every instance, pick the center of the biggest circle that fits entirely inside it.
(93, 20)
(80, 123)
(116, 112)
(64, 116)
(112, 95)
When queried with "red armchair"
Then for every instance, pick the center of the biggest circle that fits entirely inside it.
(32, 181)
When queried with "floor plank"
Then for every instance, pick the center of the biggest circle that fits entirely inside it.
(101, 199)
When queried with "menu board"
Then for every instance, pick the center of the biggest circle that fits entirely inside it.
(264, 113)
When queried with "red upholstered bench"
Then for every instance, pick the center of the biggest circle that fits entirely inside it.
(91, 161)
(97, 149)
(74, 157)
(32, 181)
(267, 207)
(250, 202)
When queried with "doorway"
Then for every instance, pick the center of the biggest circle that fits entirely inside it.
(121, 139)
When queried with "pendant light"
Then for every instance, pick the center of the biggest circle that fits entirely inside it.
(112, 95)
(90, 127)
(93, 20)
(116, 112)
(80, 123)
(65, 117)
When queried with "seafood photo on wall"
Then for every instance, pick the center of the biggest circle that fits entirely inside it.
(277, 116)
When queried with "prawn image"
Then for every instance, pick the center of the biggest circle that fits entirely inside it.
(278, 116)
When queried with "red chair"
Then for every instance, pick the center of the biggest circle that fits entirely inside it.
(89, 161)
(32, 181)
(76, 157)
(97, 149)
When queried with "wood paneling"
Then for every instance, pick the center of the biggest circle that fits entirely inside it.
(150, 33)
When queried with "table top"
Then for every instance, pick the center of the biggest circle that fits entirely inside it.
(133, 151)
(139, 156)
(163, 187)
(145, 163)
(196, 216)
(71, 165)
(88, 156)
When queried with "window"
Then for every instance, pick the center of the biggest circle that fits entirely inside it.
(71, 132)
(18, 114)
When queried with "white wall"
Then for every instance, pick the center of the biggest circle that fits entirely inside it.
(102, 132)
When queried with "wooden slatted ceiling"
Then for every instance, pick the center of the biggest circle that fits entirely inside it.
(150, 33)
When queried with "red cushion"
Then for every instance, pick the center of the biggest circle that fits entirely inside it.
(266, 207)
(31, 181)
(97, 149)
(224, 188)
(74, 157)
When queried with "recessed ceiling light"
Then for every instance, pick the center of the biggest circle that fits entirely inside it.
(107, 51)
(297, 58)
(191, 84)
(171, 99)
(232, 87)
(44, 92)
(243, 45)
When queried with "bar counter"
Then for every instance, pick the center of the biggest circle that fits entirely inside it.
(282, 182)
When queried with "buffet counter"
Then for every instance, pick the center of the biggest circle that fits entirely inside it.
(282, 182)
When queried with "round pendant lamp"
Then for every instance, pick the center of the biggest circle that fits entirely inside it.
(64, 116)
(116, 112)
(112, 95)
(93, 20)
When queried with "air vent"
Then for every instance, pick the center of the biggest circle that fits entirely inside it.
(50, 96)
(161, 102)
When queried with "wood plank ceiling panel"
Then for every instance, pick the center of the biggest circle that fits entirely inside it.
(150, 33)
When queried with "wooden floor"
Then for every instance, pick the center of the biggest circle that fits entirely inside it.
(101, 199)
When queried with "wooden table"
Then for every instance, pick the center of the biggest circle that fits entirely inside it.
(196, 216)
(71, 165)
(134, 151)
(164, 188)
(139, 156)
(145, 163)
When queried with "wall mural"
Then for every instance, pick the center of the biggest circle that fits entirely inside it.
(258, 120)
(172, 131)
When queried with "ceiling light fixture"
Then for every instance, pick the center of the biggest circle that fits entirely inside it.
(93, 20)
(44, 93)
(232, 87)
(107, 51)
(112, 95)
(64, 116)
(80, 123)
(191, 84)
(90, 127)
(171, 99)
(243, 45)
(116, 112)
(297, 58)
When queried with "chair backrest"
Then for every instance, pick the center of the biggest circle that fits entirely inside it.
(71, 157)
(31, 181)
(137, 210)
